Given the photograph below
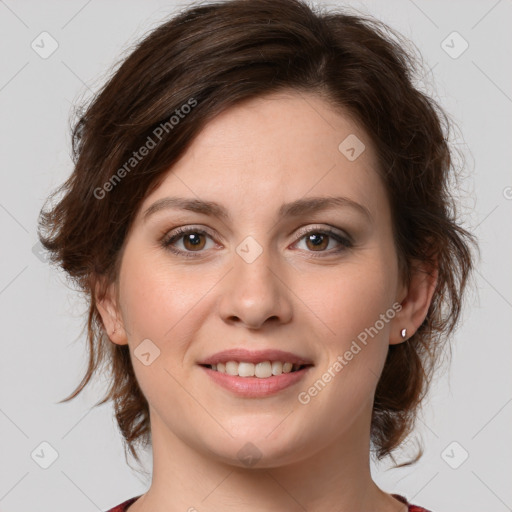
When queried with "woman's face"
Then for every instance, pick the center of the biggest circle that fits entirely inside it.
(264, 275)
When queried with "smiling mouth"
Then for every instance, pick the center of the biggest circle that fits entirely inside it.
(262, 370)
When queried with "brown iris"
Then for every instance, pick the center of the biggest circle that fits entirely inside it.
(194, 240)
(317, 244)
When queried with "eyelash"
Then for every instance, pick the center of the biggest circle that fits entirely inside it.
(180, 232)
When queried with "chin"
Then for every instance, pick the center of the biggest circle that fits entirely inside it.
(255, 448)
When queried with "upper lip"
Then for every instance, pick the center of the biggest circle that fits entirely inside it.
(256, 356)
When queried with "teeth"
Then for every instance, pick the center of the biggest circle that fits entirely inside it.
(277, 368)
(261, 370)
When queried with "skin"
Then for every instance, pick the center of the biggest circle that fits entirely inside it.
(251, 159)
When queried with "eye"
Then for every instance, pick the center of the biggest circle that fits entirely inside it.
(191, 238)
(317, 240)
(194, 241)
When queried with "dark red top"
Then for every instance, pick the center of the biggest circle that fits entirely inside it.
(412, 508)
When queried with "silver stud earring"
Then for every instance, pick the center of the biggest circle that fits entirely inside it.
(403, 333)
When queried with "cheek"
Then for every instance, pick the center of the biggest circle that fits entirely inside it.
(357, 295)
(158, 302)
(358, 313)
(168, 307)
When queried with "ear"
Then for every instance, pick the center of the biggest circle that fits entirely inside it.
(415, 300)
(108, 308)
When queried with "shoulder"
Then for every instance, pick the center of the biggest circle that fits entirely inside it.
(411, 507)
(122, 507)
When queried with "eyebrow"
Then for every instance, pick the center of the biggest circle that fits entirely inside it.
(294, 209)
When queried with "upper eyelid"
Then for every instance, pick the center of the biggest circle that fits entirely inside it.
(301, 229)
(306, 229)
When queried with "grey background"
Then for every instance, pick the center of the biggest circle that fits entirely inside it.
(43, 354)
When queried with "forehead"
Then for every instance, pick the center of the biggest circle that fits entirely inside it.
(272, 150)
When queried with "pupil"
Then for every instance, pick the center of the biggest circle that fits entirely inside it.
(191, 240)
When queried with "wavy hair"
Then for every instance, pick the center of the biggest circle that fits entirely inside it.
(222, 53)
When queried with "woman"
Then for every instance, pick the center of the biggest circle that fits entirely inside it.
(260, 217)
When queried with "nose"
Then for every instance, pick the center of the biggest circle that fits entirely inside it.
(256, 292)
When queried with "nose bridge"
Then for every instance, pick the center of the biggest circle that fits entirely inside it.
(255, 292)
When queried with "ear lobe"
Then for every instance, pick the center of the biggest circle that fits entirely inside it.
(416, 302)
(106, 303)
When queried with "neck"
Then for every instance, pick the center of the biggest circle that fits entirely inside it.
(186, 478)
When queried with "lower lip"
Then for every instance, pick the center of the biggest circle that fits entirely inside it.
(254, 387)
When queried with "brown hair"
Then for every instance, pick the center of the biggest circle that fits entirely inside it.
(211, 57)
